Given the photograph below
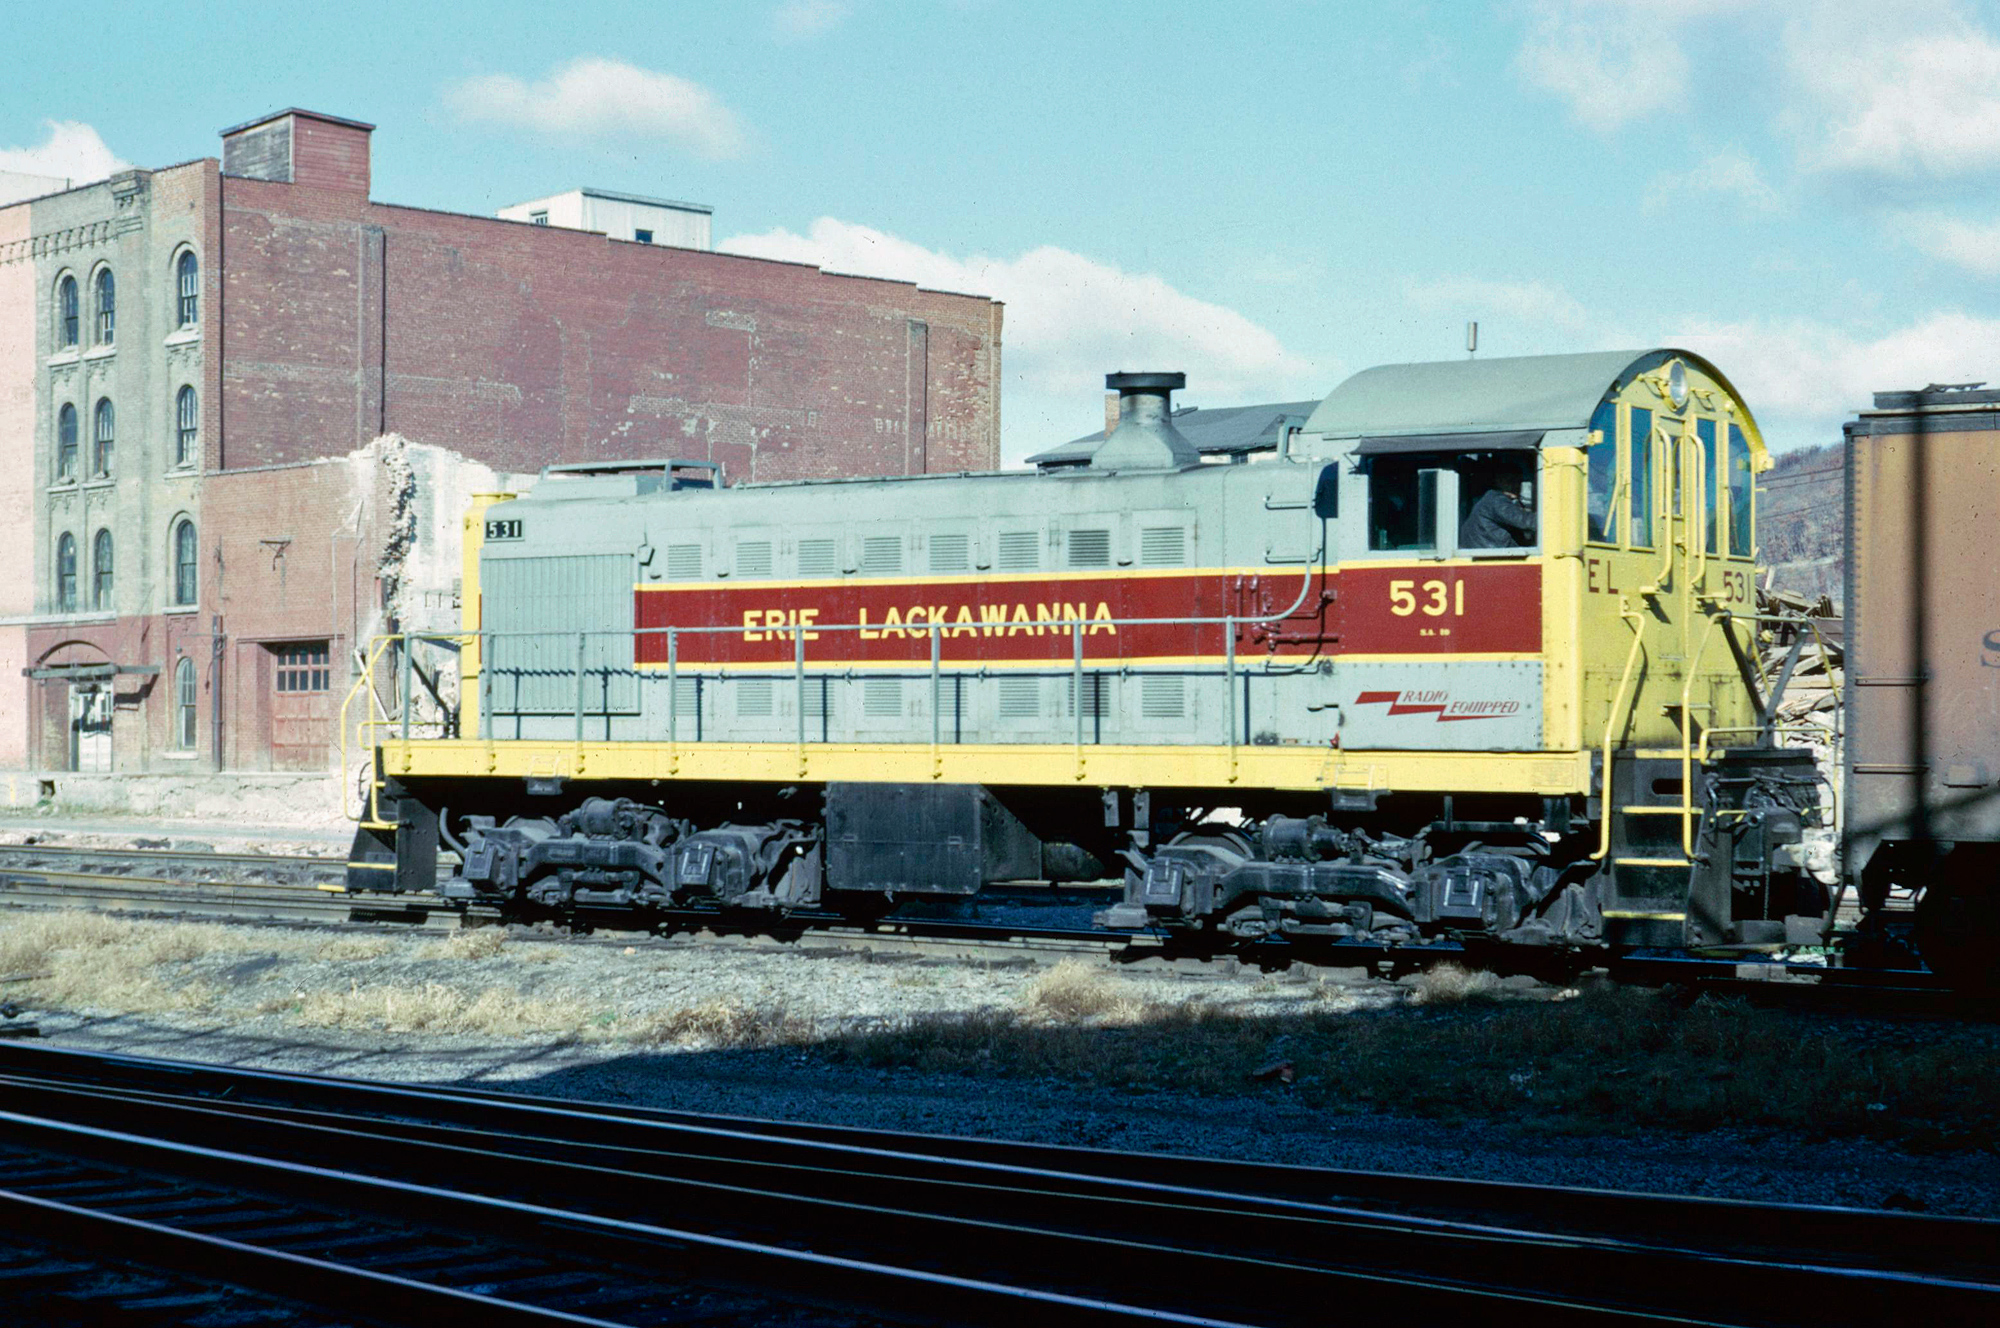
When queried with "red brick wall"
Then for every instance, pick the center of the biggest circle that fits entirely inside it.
(296, 562)
(522, 345)
(329, 156)
(143, 711)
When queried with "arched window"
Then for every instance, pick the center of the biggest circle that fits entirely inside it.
(66, 313)
(184, 565)
(107, 307)
(103, 429)
(66, 443)
(187, 285)
(187, 426)
(66, 574)
(100, 571)
(184, 697)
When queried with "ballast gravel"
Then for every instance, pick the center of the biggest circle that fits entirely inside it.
(633, 1031)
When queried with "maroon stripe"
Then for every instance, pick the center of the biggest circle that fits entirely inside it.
(1445, 611)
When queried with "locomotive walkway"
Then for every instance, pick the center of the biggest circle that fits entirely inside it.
(340, 1199)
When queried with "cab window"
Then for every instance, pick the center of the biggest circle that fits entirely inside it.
(1705, 458)
(1603, 475)
(1403, 502)
(1642, 477)
(1496, 500)
(1739, 493)
(1464, 501)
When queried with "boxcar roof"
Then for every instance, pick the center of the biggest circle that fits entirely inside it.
(1481, 396)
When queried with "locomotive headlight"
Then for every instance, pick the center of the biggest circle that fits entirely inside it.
(1677, 385)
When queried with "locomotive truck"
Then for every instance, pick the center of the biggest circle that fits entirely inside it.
(1320, 698)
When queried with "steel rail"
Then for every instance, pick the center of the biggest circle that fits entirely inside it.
(1260, 1219)
(333, 866)
(292, 1277)
(51, 888)
(1159, 1275)
(595, 1239)
(1079, 1271)
(1277, 1237)
(1729, 1221)
(41, 887)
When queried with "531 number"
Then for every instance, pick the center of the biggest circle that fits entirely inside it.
(1434, 599)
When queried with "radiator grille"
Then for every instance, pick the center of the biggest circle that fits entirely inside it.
(550, 600)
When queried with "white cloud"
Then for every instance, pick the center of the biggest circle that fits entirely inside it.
(801, 20)
(1532, 317)
(1730, 173)
(1802, 377)
(1069, 321)
(1972, 245)
(593, 95)
(72, 151)
(1611, 60)
(1895, 89)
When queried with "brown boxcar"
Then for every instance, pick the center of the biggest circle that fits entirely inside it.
(1923, 668)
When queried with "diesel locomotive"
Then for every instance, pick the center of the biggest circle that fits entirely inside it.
(1472, 659)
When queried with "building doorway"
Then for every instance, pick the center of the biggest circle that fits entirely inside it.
(90, 728)
(301, 704)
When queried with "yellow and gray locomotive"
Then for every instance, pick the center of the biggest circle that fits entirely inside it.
(1471, 657)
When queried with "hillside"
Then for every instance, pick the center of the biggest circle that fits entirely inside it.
(1803, 521)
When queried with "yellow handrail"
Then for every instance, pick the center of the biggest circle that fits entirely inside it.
(1687, 736)
(1663, 461)
(370, 815)
(1698, 514)
(1638, 621)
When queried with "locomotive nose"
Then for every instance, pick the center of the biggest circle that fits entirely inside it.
(1145, 438)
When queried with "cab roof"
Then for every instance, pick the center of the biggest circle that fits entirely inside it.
(1503, 395)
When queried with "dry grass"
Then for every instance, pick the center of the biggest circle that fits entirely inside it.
(716, 1023)
(90, 961)
(354, 949)
(1448, 984)
(1073, 992)
(435, 1007)
(466, 944)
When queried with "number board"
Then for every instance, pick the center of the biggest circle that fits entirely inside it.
(505, 529)
(1443, 610)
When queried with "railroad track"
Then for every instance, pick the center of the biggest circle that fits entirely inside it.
(399, 1204)
(260, 888)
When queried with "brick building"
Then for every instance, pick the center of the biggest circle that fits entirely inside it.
(242, 404)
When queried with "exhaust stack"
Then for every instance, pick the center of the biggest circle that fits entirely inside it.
(1145, 438)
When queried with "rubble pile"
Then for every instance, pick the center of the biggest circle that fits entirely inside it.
(1808, 713)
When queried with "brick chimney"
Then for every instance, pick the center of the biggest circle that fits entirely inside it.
(300, 147)
(1110, 413)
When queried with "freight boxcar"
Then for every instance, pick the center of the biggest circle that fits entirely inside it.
(1922, 687)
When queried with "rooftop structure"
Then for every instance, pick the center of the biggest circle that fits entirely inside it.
(620, 216)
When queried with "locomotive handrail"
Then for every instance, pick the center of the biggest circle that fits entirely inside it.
(1661, 461)
(1638, 621)
(1076, 627)
(1688, 676)
(1231, 624)
(369, 813)
(1698, 539)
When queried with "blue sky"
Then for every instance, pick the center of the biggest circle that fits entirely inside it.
(1267, 196)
